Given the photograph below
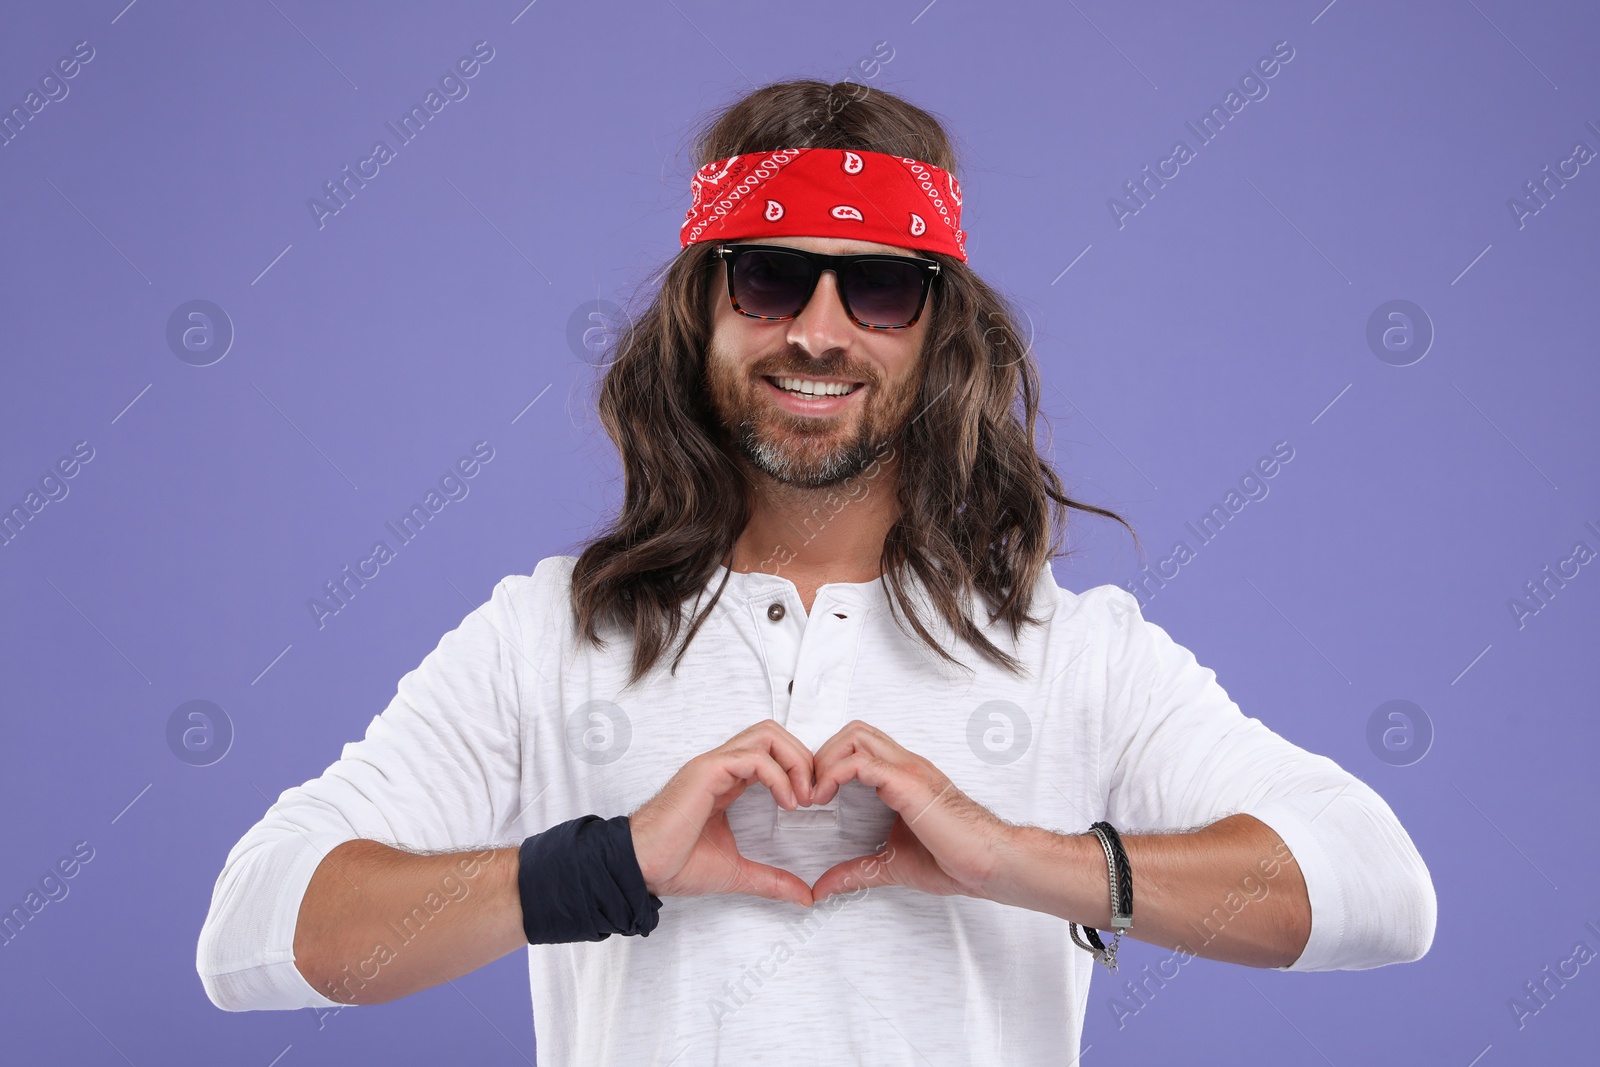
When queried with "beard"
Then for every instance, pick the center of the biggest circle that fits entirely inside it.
(806, 451)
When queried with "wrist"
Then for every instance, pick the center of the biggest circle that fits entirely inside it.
(1022, 868)
(646, 863)
(1058, 874)
(580, 881)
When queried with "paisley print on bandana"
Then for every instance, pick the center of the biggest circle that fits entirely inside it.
(826, 192)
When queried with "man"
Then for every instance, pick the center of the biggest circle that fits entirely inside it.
(858, 804)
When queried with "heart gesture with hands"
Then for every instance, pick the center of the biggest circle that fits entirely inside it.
(941, 842)
(681, 836)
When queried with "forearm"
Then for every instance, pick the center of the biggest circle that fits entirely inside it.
(1231, 891)
(377, 923)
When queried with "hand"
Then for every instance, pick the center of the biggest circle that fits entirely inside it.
(681, 835)
(941, 842)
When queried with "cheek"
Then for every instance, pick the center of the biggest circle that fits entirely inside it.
(726, 347)
(902, 361)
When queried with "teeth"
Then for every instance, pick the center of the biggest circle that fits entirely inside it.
(814, 388)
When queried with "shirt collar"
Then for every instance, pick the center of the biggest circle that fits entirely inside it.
(747, 586)
(756, 585)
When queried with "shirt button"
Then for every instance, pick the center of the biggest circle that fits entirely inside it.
(791, 685)
(775, 611)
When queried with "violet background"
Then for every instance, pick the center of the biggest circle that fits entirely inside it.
(1229, 314)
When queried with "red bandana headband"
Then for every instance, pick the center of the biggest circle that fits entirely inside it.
(827, 192)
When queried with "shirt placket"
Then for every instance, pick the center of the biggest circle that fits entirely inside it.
(811, 662)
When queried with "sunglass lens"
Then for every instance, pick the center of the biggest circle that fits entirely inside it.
(774, 284)
(883, 292)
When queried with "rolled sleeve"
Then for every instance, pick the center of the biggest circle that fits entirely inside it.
(1179, 754)
(246, 950)
(439, 770)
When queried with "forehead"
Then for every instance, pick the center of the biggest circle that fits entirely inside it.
(838, 246)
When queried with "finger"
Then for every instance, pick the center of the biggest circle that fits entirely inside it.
(897, 785)
(830, 777)
(857, 738)
(758, 765)
(850, 736)
(835, 751)
(773, 883)
(706, 785)
(857, 764)
(863, 872)
(789, 751)
(857, 735)
(795, 759)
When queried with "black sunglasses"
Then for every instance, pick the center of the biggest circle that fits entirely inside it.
(879, 291)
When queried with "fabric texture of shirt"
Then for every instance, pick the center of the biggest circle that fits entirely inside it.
(511, 725)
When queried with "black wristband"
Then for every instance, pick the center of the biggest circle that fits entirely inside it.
(580, 881)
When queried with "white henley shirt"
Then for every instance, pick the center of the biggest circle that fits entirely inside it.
(510, 726)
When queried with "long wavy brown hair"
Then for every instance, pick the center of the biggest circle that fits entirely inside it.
(979, 508)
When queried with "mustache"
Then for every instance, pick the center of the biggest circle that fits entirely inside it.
(799, 365)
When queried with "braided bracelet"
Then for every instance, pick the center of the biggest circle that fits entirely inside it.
(1121, 879)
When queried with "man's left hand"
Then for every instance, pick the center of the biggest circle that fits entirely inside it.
(942, 841)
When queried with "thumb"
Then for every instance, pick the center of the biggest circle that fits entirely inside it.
(773, 883)
(863, 872)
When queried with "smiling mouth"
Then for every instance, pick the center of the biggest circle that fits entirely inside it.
(810, 388)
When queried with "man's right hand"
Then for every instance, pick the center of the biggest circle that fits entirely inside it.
(681, 835)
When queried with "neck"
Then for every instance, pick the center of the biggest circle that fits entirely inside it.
(820, 535)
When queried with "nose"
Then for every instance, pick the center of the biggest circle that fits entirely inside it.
(823, 324)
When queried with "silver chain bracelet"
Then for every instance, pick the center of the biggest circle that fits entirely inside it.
(1120, 877)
